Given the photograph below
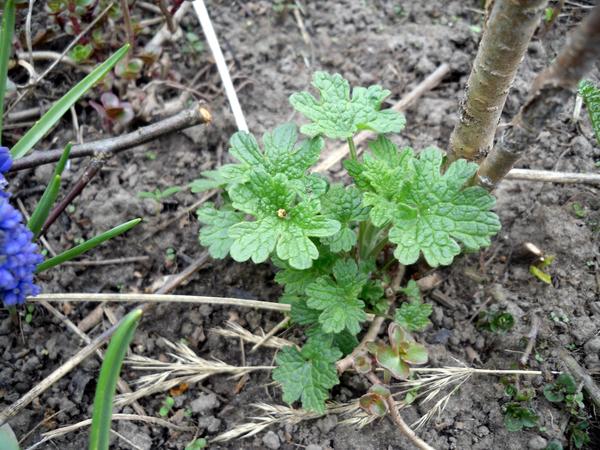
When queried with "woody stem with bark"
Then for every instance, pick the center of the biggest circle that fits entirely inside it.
(504, 43)
(549, 93)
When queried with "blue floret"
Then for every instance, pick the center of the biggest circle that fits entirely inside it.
(19, 256)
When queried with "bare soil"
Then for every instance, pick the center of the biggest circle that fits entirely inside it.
(395, 44)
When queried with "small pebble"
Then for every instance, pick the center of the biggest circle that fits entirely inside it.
(593, 345)
(271, 440)
(204, 403)
(537, 443)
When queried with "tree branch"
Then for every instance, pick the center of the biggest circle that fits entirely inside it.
(549, 93)
(185, 119)
(504, 43)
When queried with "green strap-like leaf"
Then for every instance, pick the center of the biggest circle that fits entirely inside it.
(107, 381)
(87, 245)
(8, 26)
(40, 214)
(62, 162)
(57, 110)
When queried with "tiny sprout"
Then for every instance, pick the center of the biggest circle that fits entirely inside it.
(374, 402)
(517, 417)
(81, 53)
(402, 352)
(129, 70)
(166, 407)
(197, 444)
(112, 110)
(555, 392)
(362, 363)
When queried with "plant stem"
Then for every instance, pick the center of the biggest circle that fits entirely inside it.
(550, 92)
(504, 43)
(352, 149)
(397, 418)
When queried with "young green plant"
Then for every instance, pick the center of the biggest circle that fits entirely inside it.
(337, 246)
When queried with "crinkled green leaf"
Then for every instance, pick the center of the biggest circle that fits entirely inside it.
(412, 291)
(445, 213)
(281, 224)
(337, 298)
(223, 176)
(345, 341)
(344, 205)
(413, 316)
(591, 97)
(214, 232)
(338, 115)
(296, 281)
(308, 374)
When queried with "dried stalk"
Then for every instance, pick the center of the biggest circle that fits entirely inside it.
(132, 417)
(187, 367)
(550, 92)
(234, 330)
(128, 25)
(504, 43)
(185, 119)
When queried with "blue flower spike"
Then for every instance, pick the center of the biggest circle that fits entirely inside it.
(19, 256)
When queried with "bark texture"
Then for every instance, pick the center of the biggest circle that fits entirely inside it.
(505, 40)
(550, 92)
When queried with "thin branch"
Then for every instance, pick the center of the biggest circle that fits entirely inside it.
(331, 158)
(549, 93)
(164, 34)
(509, 29)
(185, 119)
(90, 172)
(168, 17)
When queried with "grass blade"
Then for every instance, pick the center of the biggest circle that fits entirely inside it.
(40, 214)
(87, 245)
(107, 381)
(42, 210)
(62, 162)
(8, 27)
(42, 126)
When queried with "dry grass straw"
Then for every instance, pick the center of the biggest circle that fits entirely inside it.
(185, 367)
(235, 330)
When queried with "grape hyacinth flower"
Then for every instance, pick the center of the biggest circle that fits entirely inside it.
(19, 256)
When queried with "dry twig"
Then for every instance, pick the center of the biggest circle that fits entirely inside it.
(185, 119)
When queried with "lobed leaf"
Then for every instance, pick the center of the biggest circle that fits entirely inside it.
(307, 374)
(345, 206)
(337, 298)
(214, 233)
(338, 115)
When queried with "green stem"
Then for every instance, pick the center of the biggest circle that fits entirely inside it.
(352, 148)
(378, 247)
